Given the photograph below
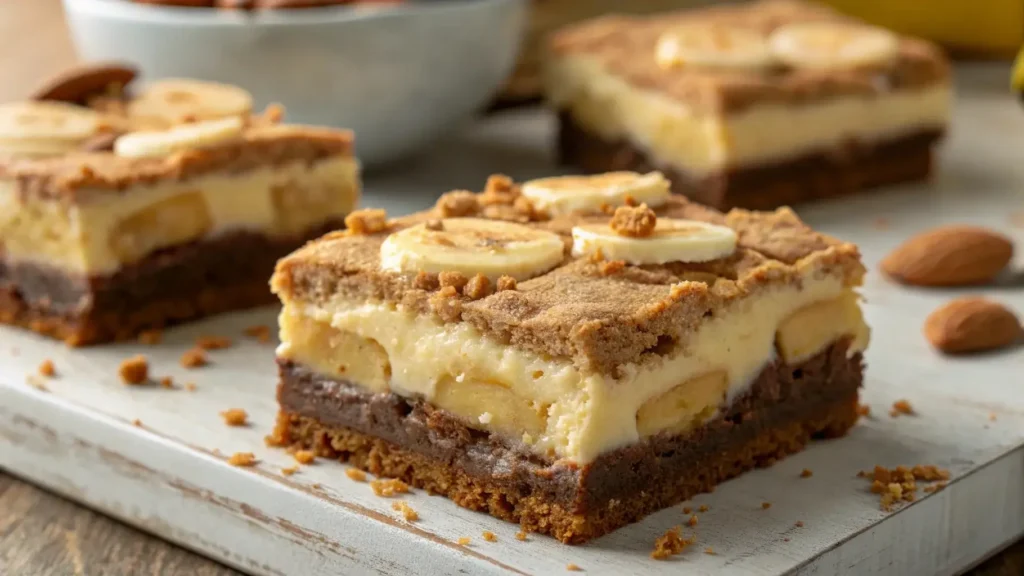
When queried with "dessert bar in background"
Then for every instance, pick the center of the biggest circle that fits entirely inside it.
(121, 213)
(560, 357)
(757, 105)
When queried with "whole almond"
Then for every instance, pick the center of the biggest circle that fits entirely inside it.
(949, 256)
(971, 324)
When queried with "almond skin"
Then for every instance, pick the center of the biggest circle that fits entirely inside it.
(971, 324)
(949, 256)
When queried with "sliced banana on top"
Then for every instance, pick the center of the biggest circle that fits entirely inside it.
(673, 240)
(472, 246)
(713, 46)
(45, 128)
(174, 101)
(824, 45)
(178, 138)
(588, 194)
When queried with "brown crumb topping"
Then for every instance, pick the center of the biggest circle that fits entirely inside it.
(693, 521)
(304, 456)
(766, 505)
(46, 368)
(367, 221)
(167, 382)
(638, 222)
(478, 287)
(670, 543)
(289, 470)
(464, 541)
(213, 342)
(901, 407)
(235, 417)
(389, 487)
(194, 358)
(457, 204)
(806, 473)
(506, 283)
(900, 484)
(260, 332)
(703, 508)
(573, 568)
(426, 281)
(243, 459)
(134, 370)
(356, 474)
(521, 536)
(456, 280)
(408, 513)
(150, 337)
(490, 536)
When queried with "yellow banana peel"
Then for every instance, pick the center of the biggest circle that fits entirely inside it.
(980, 27)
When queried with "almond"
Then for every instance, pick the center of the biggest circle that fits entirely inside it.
(971, 324)
(949, 256)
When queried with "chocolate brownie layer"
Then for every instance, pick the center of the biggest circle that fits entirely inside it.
(393, 436)
(811, 177)
(229, 272)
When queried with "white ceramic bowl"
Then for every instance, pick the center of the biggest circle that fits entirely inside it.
(400, 76)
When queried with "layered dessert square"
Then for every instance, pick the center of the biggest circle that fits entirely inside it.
(558, 356)
(755, 105)
(135, 213)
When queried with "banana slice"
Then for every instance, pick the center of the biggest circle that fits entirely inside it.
(36, 147)
(174, 101)
(824, 45)
(178, 138)
(673, 240)
(568, 194)
(713, 46)
(47, 121)
(472, 246)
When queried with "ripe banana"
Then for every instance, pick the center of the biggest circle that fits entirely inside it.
(713, 46)
(178, 138)
(841, 45)
(174, 101)
(472, 246)
(568, 194)
(673, 240)
(45, 128)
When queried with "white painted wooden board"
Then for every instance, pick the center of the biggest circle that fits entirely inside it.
(165, 476)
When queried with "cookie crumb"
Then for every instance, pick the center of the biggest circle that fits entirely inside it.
(670, 543)
(709, 551)
(799, 524)
(478, 287)
(356, 474)
(194, 358)
(260, 332)
(766, 505)
(900, 484)
(611, 267)
(490, 536)
(506, 283)
(289, 470)
(693, 521)
(454, 280)
(367, 221)
(464, 541)
(863, 410)
(134, 370)
(703, 508)
(806, 473)
(213, 342)
(992, 417)
(151, 337)
(686, 509)
(573, 568)
(408, 513)
(243, 459)
(636, 222)
(304, 456)
(389, 487)
(47, 369)
(901, 407)
(167, 382)
(137, 423)
(235, 417)
(315, 486)
(190, 386)
(457, 203)
(521, 536)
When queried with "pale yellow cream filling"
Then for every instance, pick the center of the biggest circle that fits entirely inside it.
(549, 403)
(106, 231)
(677, 136)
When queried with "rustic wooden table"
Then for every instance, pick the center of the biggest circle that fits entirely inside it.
(42, 534)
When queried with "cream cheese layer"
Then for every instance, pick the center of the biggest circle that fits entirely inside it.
(101, 234)
(549, 403)
(702, 143)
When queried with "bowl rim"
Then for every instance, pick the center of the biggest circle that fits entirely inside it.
(125, 10)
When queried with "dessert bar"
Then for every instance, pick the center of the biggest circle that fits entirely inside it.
(758, 105)
(132, 213)
(559, 356)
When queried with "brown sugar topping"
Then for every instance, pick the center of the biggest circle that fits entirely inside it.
(389, 487)
(367, 221)
(194, 358)
(670, 543)
(636, 222)
(47, 369)
(213, 342)
(235, 417)
(242, 459)
(134, 370)
(356, 474)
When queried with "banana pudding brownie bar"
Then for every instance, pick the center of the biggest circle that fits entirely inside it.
(120, 214)
(532, 353)
(759, 105)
